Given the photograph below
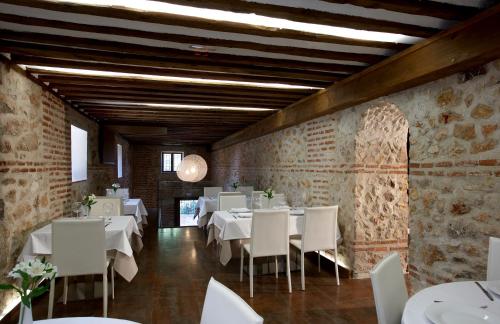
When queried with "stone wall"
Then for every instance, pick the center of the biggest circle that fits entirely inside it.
(357, 158)
(35, 163)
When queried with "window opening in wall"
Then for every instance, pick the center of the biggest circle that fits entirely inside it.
(187, 208)
(78, 154)
(119, 160)
(170, 161)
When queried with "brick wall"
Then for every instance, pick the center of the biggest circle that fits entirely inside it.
(357, 158)
(35, 163)
(146, 161)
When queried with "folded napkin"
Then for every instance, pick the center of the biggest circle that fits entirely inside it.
(244, 215)
(239, 210)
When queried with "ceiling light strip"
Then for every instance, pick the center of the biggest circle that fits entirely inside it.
(178, 106)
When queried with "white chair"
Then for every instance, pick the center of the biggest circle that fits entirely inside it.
(493, 260)
(79, 248)
(256, 199)
(222, 305)
(319, 233)
(269, 237)
(211, 191)
(228, 202)
(389, 289)
(226, 193)
(246, 190)
(107, 206)
(120, 192)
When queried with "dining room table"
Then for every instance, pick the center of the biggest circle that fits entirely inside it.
(205, 206)
(226, 226)
(135, 207)
(454, 302)
(122, 239)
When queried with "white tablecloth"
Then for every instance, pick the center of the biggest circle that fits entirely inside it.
(204, 206)
(465, 292)
(122, 236)
(84, 320)
(228, 228)
(135, 207)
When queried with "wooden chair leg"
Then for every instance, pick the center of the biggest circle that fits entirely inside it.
(288, 272)
(65, 291)
(337, 268)
(302, 270)
(112, 282)
(105, 294)
(250, 270)
(319, 261)
(276, 265)
(242, 262)
(51, 298)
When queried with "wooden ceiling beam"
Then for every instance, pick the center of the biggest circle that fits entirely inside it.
(171, 53)
(226, 64)
(436, 9)
(160, 94)
(474, 42)
(302, 15)
(295, 77)
(184, 39)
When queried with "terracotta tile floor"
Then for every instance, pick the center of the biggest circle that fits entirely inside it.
(174, 269)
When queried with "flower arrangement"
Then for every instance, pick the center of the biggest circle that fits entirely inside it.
(235, 185)
(269, 193)
(115, 187)
(89, 200)
(32, 274)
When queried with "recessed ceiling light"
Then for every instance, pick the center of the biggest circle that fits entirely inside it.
(163, 105)
(164, 78)
(249, 19)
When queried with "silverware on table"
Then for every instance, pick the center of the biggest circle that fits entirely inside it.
(484, 291)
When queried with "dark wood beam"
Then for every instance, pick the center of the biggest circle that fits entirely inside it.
(194, 62)
(270, 10)
(310, 16)
(171, 53)
(295, 78)
(417, 7)
(475, 42)
(184, 39)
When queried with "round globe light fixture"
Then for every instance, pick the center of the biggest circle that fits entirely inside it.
(193, 168)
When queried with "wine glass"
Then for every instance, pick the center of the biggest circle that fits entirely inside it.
(76, 207)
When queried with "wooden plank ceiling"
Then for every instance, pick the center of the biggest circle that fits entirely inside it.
(156, 63)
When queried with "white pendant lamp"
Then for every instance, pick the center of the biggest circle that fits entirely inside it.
(193, 168)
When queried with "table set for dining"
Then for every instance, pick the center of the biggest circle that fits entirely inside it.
(464, 302)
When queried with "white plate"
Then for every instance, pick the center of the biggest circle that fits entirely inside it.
(494, 286)
(449, 313)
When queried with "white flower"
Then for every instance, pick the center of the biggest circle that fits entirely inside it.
(115, 185)
(93, 197)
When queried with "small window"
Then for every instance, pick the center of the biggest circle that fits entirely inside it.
(170, 161)
(78, 154)
(119, 160)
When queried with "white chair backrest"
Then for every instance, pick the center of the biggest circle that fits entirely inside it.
(493, 260)
(222, 305)
(320, 228)
(211, 191)
(246, 190)
(107, 206)
(389, 289)
(120, 192)
(78, 246)
(269, 234)
(226, 193)
(256, 199)
(228, 202)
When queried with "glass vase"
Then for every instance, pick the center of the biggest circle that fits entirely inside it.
(25, 315)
